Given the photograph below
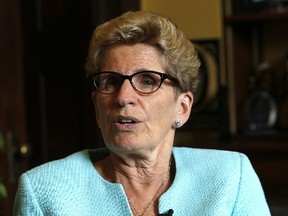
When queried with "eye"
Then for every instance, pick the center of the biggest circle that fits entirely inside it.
(148, 79)
(110, 80)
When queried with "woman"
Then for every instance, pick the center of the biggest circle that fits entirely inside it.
(143, 71)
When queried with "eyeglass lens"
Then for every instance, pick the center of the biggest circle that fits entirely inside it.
(145, 82)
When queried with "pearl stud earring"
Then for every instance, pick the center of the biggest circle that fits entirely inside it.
(177, 123)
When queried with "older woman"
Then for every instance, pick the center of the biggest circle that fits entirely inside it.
(143, 71)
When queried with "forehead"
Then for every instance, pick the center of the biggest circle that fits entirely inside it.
(128, 58)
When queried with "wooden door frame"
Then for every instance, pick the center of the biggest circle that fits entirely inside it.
(12, 101)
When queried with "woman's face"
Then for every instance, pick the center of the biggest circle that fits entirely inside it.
(131, 121)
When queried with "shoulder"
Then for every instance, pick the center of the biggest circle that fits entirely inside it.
(208, 155)
(210, 162)
(59, 184)
(70, 163)
(229, 168)
(77, 164)
(223, 181)
(226, 166)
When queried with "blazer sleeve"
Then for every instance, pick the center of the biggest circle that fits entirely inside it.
(250, 199)
(25, 202)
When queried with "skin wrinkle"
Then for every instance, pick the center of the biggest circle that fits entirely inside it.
(140, 152)
(142, 173)
(131, 97)
(137, 174)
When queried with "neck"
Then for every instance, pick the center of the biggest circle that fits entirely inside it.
(144, 188)
(142, 171)
(144, 181)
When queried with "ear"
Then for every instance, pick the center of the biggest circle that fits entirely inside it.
(184, 106)
(93, 96)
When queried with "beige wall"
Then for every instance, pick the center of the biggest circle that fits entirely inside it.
(199, 19)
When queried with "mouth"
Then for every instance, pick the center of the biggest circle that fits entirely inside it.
(126, 120)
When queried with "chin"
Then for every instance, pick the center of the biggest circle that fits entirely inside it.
(129, 147)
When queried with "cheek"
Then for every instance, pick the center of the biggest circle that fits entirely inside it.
(99, 109)
(162, 109)
(101, 112)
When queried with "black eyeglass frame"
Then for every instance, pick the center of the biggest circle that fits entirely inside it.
(163, 76)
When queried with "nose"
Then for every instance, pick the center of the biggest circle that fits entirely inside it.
(126, 95)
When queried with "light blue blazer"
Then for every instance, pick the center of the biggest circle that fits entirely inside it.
(207, 182)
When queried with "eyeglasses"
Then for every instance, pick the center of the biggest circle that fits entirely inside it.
(145, 82)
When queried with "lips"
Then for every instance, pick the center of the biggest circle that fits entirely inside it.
(126, 120)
